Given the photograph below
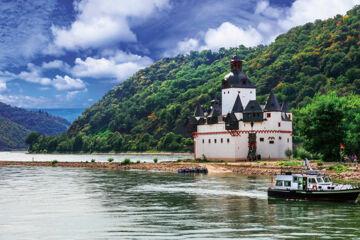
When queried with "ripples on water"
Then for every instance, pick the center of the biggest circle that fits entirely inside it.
(65, 203)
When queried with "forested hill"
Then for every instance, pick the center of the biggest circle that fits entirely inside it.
(17, 123)
(143, 112)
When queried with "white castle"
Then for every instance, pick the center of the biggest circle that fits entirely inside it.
(241, 129)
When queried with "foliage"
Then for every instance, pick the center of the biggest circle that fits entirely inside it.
(92, 160)
(53, 162)
(110, 160)
(320, 163)
(289, 163)
(126, 161)
(329, 122)
(155, 160)
(330, 167)
(288, 153)
(147, 112)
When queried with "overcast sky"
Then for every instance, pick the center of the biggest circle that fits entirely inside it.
(63, 53)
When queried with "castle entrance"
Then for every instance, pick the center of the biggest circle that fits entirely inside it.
(252, 147)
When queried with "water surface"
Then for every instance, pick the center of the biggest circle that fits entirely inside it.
(68, 203)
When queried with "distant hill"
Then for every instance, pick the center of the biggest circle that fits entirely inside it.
(145, 111)
(70, 114)
(17, 123)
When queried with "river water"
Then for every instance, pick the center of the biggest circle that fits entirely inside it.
(75, 203)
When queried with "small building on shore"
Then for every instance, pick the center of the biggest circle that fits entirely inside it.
(239, 128)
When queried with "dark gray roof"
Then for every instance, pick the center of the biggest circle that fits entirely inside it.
(285, 117)
(272, 104)
(199, 112)
(238, 107)
(285, 108)
(252, 107)
(237, 79)
(215, 109)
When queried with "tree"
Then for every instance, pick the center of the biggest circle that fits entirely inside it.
(31, 139)
(321, 126)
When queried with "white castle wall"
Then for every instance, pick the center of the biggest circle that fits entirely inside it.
(229, 96)
(272, 140)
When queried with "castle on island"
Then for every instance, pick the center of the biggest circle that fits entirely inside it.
(240, 128)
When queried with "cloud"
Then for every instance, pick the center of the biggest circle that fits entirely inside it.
(67, 83)
(56, 64)
(268, 22)
(25, 29)
(228, 35)
(25, 101)
(118, 66)
(303, 11)
(102, 23)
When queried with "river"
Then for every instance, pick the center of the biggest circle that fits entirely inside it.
(75, 203)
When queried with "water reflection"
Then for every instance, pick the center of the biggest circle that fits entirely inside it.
(65, 203)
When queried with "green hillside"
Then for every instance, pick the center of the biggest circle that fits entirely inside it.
(12, 135)
(17, 123)
(148, 111)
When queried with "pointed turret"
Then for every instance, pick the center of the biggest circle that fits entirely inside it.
(285, 108)
(272, 104)
(238, 107)
(199, 112)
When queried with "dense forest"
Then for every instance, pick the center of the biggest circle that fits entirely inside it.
(147, 112)
(17, 123)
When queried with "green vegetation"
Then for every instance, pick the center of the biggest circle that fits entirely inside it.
(155, 160)
(328, 122)
(147, 112)
(110, 160)
(288, 153)
(289, 163)
(54, 162)
(92, 160)
(320, 163)
(127, 161)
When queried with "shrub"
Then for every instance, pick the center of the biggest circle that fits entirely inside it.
(155, 160)
(86, 161)
(126, 161)
(320, 163)
(288, 153)
(138, 161)
(226, 163)
(110, 160)
(265, 163)
(302, 153)
(330, 167)
(53, 162)
(92, 160)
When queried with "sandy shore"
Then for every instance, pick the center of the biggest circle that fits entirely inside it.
(253, 169)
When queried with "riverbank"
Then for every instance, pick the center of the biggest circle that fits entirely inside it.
(243, 168)
(121, 154)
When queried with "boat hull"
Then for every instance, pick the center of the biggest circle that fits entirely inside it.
(336, 196)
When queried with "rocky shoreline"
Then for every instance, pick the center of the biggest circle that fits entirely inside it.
(244, 168)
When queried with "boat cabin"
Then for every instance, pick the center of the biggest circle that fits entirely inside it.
(307, 182)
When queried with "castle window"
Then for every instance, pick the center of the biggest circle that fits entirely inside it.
(250, 91)
(203, 140)
(228, 91)
(221, 140)
(279, 137)
(214, 140)
(279, 124)
(238, 91)
(268, 115)
(271, 142)
(228, 140)
(287, 140)
(244, 80)
(209, 140)
(224, 92)
(289, 116)
(261, 139)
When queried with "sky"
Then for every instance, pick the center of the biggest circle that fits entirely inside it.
(68, 54)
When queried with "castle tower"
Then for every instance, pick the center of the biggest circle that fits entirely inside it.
(234, 84)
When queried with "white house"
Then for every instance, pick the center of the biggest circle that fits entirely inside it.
(241, 128)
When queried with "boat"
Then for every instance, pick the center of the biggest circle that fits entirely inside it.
(311, 185)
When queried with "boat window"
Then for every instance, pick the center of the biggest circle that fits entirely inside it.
(279, 183)
(287, 183)
(319, 180)
(327, 179)
(312, 180)
(295, 179)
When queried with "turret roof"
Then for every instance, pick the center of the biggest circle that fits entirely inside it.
(285, 108)
(199, 112)
(252, 107)
(237, 79)
(238, 107)
(272, 104)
